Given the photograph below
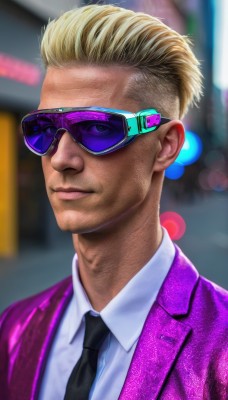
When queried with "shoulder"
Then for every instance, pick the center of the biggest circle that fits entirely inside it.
(199, 302)
(201, 306)
(26, 331)
(210, 306)
(212, 311)
(14, 317)
(212, 294)
(200, 292)
(209, 315)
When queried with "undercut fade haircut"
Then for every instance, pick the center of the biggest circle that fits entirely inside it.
(106, 35)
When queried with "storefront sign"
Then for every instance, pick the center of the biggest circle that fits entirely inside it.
(19, 70)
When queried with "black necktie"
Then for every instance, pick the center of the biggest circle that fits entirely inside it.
(84, 372)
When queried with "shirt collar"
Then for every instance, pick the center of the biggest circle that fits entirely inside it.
(126, 313)
(80, 303)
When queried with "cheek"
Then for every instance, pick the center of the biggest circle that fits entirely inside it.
(47, 172)
(45, 168)
(127, 186)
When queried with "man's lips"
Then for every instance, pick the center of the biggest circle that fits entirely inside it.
(70, 193)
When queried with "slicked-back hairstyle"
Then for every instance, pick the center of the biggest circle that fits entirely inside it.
(110, 35)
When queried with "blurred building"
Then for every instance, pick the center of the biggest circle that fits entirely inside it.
(20, 82)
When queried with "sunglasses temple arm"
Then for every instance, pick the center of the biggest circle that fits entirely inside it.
(164, 121)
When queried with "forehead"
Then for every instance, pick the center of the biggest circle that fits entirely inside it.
(86, 85)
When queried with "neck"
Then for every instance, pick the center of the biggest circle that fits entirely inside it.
(109, 259)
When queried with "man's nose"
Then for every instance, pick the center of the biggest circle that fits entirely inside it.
(67, 153)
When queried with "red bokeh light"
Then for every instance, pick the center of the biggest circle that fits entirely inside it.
(174, 224)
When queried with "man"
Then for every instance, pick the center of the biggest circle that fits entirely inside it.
(108, 125)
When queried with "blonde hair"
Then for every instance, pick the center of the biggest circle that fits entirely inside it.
(107, 35)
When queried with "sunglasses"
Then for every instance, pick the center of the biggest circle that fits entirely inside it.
(97, 130)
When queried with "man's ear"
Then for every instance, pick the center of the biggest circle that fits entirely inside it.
(171, 139)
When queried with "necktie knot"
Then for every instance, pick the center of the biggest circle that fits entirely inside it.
(95, 332)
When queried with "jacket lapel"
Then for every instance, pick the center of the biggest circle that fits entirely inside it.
(35, 342)
(163, 335)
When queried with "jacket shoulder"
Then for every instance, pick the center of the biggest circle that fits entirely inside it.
(12, 318)
(214, 297)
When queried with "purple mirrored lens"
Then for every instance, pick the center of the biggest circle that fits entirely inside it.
(96, 131)
(39, 132)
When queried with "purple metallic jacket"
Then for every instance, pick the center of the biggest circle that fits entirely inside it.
(181, 353)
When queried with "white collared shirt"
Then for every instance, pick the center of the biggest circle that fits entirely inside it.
(124, 315)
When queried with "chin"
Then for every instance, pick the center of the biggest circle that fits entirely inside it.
(68, 226)
(74, 224)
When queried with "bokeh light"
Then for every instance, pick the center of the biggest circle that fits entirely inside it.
(190, 153)
(213, 179)
(174, 224)
(191, 149)
(175, 171)
(214, 176)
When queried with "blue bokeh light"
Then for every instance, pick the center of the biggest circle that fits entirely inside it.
(191, 149)
(189, 154)
(174, 171)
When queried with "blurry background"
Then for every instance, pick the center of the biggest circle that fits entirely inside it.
(33, 252)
